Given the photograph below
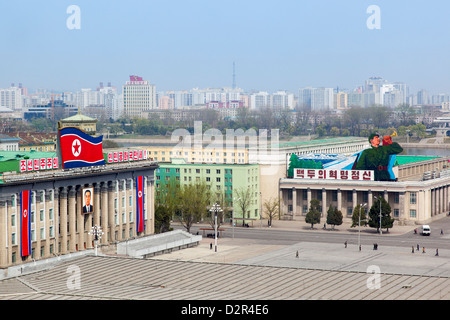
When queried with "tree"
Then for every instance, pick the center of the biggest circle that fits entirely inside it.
(334, 216)
(193, 200)
(162, 219)
(374, 215)
(271, 208)
(313, 215)
(356, 219)
(243, 198)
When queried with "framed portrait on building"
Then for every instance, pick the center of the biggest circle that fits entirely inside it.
(88, 200)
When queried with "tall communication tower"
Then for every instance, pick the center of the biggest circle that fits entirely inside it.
(234, 77)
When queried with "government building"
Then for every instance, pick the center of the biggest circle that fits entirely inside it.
(42, 211)
(420, 194)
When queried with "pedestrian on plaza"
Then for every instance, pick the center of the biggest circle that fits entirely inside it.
(442, 232)
(437, 252)
(210, 246)
(423, 249)
(359, 247)
(417, 247)
(296, 255)
(345, 243)
(412, 249)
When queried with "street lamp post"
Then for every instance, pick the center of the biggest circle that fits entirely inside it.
(359, 224)
(379, 198)
(215, 208)
(232, 214)
(97, 233)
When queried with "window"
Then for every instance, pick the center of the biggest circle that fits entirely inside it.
(41, 215)
(412, 197)
(412, 213)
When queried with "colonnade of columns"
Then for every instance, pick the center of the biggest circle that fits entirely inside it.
(59, 226)
(420, 204)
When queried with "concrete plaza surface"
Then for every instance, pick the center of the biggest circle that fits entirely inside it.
(248, 269)
(323, 256)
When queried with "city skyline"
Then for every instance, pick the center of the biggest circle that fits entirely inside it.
(285, 45)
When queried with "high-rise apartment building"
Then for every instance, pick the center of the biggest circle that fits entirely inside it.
(11, 98)
(139, 96)
(317, 99)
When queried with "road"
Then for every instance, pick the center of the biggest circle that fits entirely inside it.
(367, 236)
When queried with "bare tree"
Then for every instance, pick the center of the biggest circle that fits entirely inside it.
(243, 198)
(271, 208)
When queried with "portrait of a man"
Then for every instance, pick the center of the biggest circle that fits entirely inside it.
(88, 206)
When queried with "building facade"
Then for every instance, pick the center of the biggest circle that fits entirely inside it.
(421, 194)
(57, 224)
(230, 181)
(139, 96)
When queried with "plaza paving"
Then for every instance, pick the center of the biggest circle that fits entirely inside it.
(244, 269)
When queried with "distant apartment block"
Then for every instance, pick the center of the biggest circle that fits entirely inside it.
(11, 98)
(316, 99)
(139, 96)
(205, 154)
(229, 182)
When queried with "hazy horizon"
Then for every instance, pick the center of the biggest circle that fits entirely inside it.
(180, 45)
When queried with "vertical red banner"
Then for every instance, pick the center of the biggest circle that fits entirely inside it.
(140, 213)
(25, 206)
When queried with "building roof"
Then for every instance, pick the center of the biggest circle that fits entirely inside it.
(78, 118)
(322, 141)
(410, 159)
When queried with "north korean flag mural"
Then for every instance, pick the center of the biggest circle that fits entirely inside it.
(25, 222)
(140, 225)
(78, 149)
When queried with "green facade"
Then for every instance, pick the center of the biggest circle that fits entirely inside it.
(226, 179)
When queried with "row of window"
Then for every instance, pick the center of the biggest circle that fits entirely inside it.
(396, 212)
(334, 193)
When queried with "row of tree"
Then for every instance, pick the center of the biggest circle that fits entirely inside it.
(359, 216)
(191, 203)
(354, 121)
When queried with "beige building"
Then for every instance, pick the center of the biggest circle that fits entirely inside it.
(421, 194)
(139, 97)
(85, 123)
(209, 155)
(58, 225)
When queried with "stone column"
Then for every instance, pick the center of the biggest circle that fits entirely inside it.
(80, 218)
(339, 200)
(369, 199)
(111, 212)
(3, 231)
(308, 198)
(294, 201)
(324, 202)
(119, 195)
(96, 214)
(63, 219)
(128, 208)
(72, 220)
(104, 212)
(149, 208)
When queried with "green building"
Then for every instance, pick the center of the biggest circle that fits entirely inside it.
(232, 181)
